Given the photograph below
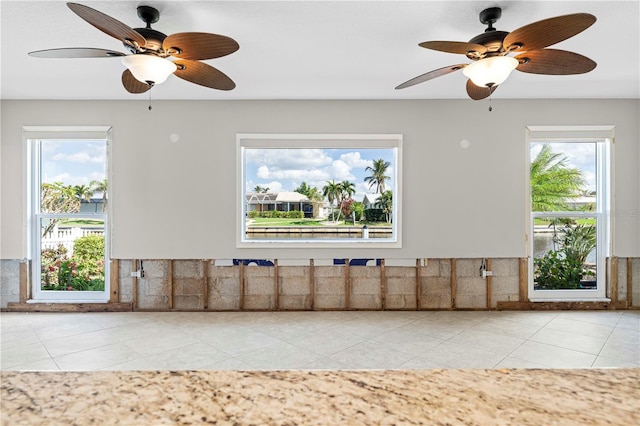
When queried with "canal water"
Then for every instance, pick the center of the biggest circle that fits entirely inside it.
(543, 242)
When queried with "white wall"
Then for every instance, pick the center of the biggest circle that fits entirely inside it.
(178, 200)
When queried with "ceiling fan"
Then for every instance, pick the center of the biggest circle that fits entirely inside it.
(148, 63)
(490, 51)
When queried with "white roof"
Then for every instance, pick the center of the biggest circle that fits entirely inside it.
(370, 198)
(291, 197)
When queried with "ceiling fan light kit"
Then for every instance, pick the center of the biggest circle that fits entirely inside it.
(151, 61)
(489, 52)
(149, 69)
(491, 71)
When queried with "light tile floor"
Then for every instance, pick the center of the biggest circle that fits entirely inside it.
(318, 340)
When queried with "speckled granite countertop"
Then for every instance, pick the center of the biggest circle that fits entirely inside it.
(434, 397)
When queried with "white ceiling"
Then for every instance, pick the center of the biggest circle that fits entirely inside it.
(315, 49)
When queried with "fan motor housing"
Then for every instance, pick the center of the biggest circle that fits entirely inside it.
(492, 40)
(154, 39)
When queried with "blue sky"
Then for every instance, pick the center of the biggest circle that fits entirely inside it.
(73, 162)
(284, 169)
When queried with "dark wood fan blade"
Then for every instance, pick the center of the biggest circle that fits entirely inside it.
(476, 92)
(554, 62)
(431, 75)
(132, 84)
(454, 47)
(197, 46)
(75, 52)
(547, 32)
(107, 24)
(203, 74)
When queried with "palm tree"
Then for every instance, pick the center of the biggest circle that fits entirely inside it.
(311, 192)
(378, 177)
(100, 186)
(260, 189)
(347, 189)
(553, 182)
(314, 194)
(385, 202)
(83, 192)
(332, 191)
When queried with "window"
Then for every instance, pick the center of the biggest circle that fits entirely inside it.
(319, 190)
(68, 214)
(569, 188)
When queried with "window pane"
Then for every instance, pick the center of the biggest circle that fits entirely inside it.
(563, 176)
(73, 176)
(565, 256)
(319, 191)
(72, 254)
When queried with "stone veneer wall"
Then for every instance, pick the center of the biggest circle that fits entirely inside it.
(9, 281)
(204, 285)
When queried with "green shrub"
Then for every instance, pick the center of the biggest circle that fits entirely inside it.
(358, 209)
(558, 270)
(89, 248)
(578, 241)
(295, 214)
(253, 214)
(84, 271)
(375, 215)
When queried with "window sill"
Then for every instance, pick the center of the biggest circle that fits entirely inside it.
(566, 299)
(49, 301)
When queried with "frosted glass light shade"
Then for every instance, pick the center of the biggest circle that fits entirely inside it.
(149, 69)
(491, 71)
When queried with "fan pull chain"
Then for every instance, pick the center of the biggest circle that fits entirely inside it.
(490, 107)
(149, 100)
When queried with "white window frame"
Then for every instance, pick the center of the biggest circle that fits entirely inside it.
(338, 141)
(603, 137)
(32, 137)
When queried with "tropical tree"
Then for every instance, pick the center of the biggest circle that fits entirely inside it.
(261, 189)
(378, 177)
(358, 208)
(100, 186)
(385, 202)
(553, 182)
(83, 192)
(311, 192)
(347, 189)
(57, 198)
(332, 191)
(346, 207)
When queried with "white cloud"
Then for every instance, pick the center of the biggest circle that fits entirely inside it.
(281, 159)
(263, 172)
(62, 177)
(297, 175)
(590, 179)
(274, 186)
(290, 167)
(97, 176)
(340, 171)
(354, 160)
(79, 157)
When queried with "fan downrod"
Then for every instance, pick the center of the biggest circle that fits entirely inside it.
(490, 16)
(148, 14)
